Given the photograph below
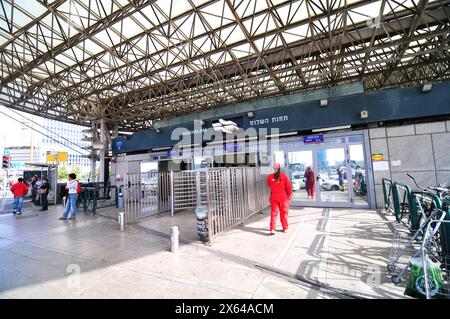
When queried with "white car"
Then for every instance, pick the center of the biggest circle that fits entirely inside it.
(298, 180)
(332, 183)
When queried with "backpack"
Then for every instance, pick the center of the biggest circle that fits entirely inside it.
(78, 188)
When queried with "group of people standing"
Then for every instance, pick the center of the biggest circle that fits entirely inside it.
(40, 188)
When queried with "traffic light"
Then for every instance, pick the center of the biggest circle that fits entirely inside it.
(6, 161)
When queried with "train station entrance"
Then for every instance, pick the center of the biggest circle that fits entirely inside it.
(340, 165)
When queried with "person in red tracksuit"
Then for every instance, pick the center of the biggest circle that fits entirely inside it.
(280, 195)
(19, 189)
(309, 181)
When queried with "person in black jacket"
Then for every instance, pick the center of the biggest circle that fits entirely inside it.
(34, 189)
(45, 188)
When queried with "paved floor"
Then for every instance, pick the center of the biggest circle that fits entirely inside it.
(42, 257)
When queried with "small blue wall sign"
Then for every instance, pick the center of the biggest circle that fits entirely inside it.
(313, 139)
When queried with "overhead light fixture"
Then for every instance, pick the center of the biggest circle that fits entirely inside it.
(250, 114)
(282, 134)
(157, 130)
(323, 103)
(334, 128)
(427, 87)
(364, 114)
(161, 149)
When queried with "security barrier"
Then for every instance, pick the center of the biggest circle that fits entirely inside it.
(188, 189)
(146, 194)
(231, 195)
(234, 194)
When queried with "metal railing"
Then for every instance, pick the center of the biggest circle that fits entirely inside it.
(388, 194)
(231, 195)
(146, 194)
(409, 207)
(188, 189)
(234, 194)
(95, 197)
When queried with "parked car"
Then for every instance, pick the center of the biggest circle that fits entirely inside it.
(298, 181)
(332, 183)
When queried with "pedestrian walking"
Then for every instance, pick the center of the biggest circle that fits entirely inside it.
(19, 189)
(43, 191)
(72, 188)
(309, 181)
(280, 195)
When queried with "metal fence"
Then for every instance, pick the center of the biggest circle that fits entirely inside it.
(231, 195)
(388, 194)
(146, 194)
(409, 207)
(234, 194)
(95, 197)
(189, 189)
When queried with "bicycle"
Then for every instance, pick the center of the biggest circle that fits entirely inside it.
(431, 198)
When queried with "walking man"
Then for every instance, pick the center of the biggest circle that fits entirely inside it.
(71, 204)
(19, 189)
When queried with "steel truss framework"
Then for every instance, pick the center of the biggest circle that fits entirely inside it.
(132, 62)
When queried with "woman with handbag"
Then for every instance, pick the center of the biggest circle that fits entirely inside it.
(43, 191)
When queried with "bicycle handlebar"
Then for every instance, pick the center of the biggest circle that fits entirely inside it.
(414, 180)
(440, 190)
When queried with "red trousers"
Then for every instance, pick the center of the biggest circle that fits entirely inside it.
(279, 205)
(310, 190)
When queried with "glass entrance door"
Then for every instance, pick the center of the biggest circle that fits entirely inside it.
(339, 171)
(359, 174)
(303, 186)
(333, 173)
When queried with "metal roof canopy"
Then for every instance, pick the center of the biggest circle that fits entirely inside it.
(42, 165)
(132, 62)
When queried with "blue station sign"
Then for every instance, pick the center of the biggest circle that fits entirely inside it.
(232, 147)
(313, 139)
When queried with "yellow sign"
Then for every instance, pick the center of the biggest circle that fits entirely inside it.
(62, 157)
(51, 158)
(377, 157)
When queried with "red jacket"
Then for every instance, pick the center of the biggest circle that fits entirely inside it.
(280, 188)
(19, 189)
(309, 176)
